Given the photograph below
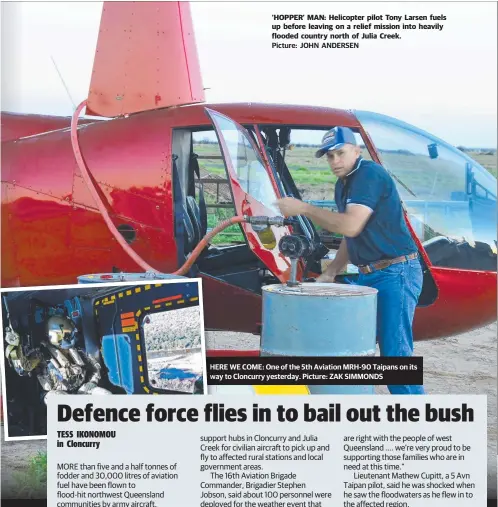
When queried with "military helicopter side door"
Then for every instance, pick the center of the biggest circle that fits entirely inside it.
(138, 328)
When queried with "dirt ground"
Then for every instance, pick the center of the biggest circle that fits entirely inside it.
(464, 364)
(15, 459)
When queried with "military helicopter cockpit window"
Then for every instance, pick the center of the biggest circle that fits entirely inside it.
(450, 198)
(173, 349)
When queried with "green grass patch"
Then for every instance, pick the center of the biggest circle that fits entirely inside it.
(488, 161)
(303, 176)
(32, 483)
(230, 235)
(315, 180)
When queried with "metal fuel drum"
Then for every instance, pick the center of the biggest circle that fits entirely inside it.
(320, 319)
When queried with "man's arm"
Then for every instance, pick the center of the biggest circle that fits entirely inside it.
(349, 224)
(337, 265)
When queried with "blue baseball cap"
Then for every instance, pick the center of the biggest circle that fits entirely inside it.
(335, 139)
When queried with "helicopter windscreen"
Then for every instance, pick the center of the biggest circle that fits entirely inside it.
(450, 198)
(247, 164)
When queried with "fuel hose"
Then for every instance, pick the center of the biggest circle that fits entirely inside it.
(85, 173)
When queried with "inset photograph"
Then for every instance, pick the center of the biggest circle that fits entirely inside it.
(98, 339)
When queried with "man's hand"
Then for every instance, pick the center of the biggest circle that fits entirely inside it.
(326, 277)
(290, 207)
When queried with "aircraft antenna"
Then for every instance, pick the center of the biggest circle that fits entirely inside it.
(64, 84)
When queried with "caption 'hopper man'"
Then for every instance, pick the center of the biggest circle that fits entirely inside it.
(376, 239)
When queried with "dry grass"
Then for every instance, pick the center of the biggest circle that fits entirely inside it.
(441, 181)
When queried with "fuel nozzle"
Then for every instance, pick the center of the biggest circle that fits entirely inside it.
(295, 246)
(264, 221)
(262, 227)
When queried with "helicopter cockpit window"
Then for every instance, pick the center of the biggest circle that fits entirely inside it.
(217, 193)
(311, 179)
(173, 349)
(247, 164)
(450, 198)
(312, 176)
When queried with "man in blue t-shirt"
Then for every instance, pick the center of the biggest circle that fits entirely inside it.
(376, 239)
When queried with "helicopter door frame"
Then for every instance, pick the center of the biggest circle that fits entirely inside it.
(247, 204)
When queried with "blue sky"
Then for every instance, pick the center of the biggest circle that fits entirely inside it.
(441, 81)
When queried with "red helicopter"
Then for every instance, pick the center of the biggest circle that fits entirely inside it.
(124, 193)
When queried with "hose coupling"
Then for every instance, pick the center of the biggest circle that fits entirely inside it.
(278, 221)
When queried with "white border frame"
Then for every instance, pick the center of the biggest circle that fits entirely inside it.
(8, 438)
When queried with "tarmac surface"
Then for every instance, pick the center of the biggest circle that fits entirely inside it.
(464, 364)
